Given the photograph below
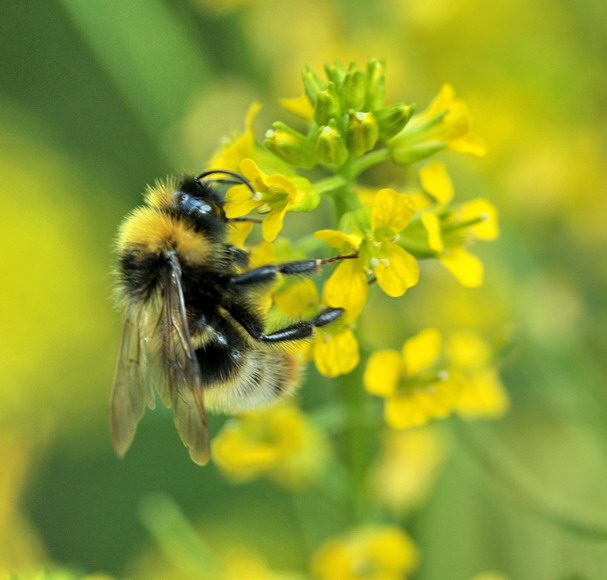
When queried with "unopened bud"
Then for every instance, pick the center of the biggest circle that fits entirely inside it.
(327, 106)
(392, 119)
(353, 90)
(362, 133)
(376, 85)
(313, 84)
(330, 146)
(290, 145)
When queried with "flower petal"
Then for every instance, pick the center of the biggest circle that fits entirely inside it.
(272, 223)
(402, 412)
(488, 228)
(397, 270)
(421, 351)
(383, 372)
(466, 267)
(239, 202)
(431, 222)
(392, 209)
(436, 181)
(299, 106)
(347, 287)
(337, 239)
(336, 354)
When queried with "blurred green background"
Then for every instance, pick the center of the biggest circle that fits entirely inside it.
(99, 98)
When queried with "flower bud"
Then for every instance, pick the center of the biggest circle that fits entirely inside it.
(353, 90)
(308, 198)
(335, 73)
(392, 119)
(313, 84)
(290, 145)
(327, 106)
(363, 132)
(376, 85)
(330, 146)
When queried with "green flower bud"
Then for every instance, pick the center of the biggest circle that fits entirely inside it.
(327, 106)
(309, 200)
(290, 145)
(335, 72)
(330, 146)
(363, 132)
(392, 119)
(353, 89)
(376, 85)
(313, 84)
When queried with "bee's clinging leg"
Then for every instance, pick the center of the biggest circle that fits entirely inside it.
(266, 274)
(296, 331)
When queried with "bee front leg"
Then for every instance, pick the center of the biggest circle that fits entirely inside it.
(266, 274)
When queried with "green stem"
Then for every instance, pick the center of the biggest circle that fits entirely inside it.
(373, 158)
(470, 222)
(330, 184)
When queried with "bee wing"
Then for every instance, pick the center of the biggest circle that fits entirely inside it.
(131, 390)
(180, 378)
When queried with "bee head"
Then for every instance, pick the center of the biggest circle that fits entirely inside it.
(199, 200)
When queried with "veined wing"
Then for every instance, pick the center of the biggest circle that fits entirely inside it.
(180, 376)
(132, 391)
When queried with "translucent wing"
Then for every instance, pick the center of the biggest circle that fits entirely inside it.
(131, 390)
(180, 380)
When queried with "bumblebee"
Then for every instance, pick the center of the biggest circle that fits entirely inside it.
(192, 331)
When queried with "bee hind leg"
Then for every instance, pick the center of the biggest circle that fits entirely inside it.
(297, 331)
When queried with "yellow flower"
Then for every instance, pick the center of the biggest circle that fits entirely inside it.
(414, 391)
(366, 553)
(451, 234)
(395, 269)
(481, 391)
(407, 468)
(274, 196)
(277, 442)
(335, 352)
(445, 124)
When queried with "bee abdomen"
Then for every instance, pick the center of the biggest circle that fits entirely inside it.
(263, 377)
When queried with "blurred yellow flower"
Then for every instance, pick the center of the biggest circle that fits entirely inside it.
(277, 442)
(274, 196)
(405, 471)
(414, 390)
(366, 553)
(482, 393)
(490, 576)
(241, 564)
(451, 232)
(445, 124)
(396, 269)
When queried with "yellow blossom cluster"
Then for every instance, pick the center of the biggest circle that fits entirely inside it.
(418, 386)
(376, 243)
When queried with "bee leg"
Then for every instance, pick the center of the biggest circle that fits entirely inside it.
(266, 274)
(297, 331)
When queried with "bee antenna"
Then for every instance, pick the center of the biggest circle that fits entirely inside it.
(237, 176)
